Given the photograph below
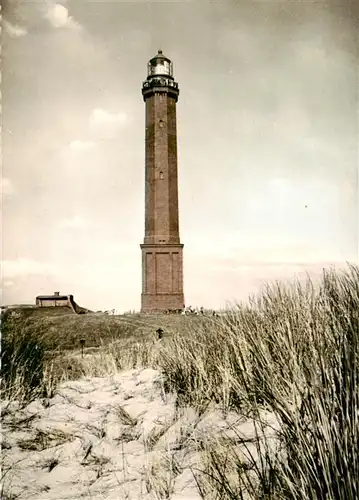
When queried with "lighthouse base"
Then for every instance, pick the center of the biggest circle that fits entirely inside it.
(161, 303)
(162, 278)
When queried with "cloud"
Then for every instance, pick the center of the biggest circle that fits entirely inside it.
(25, 267)
(106, 125)
(79, 145)
(6, 187)
(58, 16)
(103, 125)
(14, 30)
(74, 222)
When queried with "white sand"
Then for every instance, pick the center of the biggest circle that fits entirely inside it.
(80, 444)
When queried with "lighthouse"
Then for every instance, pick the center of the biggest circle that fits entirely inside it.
(162, 251)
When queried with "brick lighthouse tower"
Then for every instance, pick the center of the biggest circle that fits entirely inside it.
(162, 263)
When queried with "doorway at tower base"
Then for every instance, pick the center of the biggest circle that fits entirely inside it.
(162, 303)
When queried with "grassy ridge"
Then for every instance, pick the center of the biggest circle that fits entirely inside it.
(58, 328)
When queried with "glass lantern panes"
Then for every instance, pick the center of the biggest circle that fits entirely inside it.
(160, 67)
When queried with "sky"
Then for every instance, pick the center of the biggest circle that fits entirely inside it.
(267, 121)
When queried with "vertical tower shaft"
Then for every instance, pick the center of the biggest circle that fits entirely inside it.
(162, 261)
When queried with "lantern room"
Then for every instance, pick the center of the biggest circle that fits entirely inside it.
(160, 65)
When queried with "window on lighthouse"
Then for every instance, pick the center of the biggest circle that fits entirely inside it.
(161, 175)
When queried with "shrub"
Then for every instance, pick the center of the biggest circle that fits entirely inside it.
(22, 364)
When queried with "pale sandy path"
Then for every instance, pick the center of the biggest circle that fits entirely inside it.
(92, 440)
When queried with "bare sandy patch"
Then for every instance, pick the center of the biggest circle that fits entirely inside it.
(116, 437)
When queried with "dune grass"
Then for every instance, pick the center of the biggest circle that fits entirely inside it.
(293, 353)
